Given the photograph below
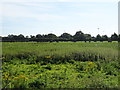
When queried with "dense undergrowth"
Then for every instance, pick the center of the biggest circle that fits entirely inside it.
(60, 65)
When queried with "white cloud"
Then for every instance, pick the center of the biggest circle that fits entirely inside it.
(16, 11)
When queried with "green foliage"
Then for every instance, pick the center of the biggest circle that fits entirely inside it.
(60, 65)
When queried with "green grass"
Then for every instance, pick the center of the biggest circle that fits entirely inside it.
(60, 65)
(62, 48)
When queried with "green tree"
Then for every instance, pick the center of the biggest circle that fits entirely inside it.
(79, 36)
(31, 36)
(119, 37)
(50, 36)
(66, 36)
(105, 38)
(114, 37)
(98, 37)
(21, 36)
(38, 36)
(87, 37)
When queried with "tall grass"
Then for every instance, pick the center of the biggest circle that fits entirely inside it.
(38, 65)
(62, 48)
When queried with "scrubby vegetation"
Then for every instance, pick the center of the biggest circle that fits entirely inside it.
(38, 65)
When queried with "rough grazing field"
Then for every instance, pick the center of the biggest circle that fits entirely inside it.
(60, 65)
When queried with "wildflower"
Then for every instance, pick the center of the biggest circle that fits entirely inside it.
(90, 66)
(22, 76)
(48, 57)
(91, 63)
(26, 78)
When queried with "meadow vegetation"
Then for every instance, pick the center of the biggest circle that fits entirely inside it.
(38, 65)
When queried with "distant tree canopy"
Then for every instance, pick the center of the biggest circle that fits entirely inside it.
(50, 36)
(114, 37)
(66, 36)
(79, 36)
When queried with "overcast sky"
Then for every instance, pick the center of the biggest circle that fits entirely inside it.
(31, 17)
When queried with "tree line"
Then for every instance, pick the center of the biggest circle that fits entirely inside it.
(79, 36)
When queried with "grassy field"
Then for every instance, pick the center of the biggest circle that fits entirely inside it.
(60, 65)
